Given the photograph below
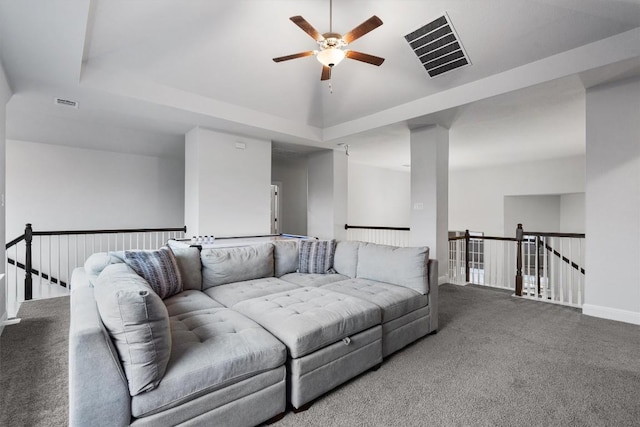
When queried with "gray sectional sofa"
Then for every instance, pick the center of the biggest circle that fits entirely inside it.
(245, 337)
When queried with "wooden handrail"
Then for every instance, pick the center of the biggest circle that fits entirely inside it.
(114, 231)
(14, 241)
(376, 227)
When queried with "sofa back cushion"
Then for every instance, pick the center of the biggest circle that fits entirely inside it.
(345, 260)
(285, 254)
(227, 265)
(399, 266)
(99, 261)
(138, 323)
(190, 267)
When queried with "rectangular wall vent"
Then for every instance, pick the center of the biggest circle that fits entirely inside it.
(65, 102)
(438, 47)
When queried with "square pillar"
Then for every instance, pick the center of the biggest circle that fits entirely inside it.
(430, 193)
(327, 195)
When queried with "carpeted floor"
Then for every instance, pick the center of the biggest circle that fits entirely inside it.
(496, 361)
(33, 365)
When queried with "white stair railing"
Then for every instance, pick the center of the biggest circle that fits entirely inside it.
(542, 266)
(39, 264)
(394, 236)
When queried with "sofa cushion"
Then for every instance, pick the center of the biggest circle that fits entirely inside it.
(316, 256)
(99, 261)
(399, 266)
(313, 280)
(159, 268)
(227, 265)
(232, 293)
(188, 301)
(394, 301)
(285, 253)
(307, 319)
(345, 260)
(138, 323)
(211, 349)
(190, 267)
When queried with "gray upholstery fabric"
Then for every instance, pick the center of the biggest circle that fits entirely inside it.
(138, 324)
(80, 278)
(285, 253)
(345, 260)
(232, 293)
(211, 349)
(245, 403)
(98, 389)
(400, 266)
(394, 301)
(228, 265)
(188, 301)
(307, 319)
(190, 267)
(99, 261)
(316, 373)
(404, 330)
(313, 280)
(433, 292)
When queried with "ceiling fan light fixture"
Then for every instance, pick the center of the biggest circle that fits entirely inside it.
(330, 57)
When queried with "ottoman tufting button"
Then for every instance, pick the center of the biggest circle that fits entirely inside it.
(346, 340)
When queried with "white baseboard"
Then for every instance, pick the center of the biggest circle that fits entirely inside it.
(626, 316)
(2, 320)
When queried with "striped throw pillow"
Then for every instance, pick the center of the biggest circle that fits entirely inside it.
(316, 256)
(159, 268)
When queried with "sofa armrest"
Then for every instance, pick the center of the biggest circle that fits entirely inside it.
(98, 391)
(432, 269)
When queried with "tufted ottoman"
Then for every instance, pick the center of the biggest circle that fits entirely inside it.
(331, 337)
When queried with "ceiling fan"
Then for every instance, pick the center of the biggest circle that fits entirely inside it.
(332, 44)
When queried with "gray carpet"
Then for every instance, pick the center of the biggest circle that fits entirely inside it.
(33, 365)
(496, 361)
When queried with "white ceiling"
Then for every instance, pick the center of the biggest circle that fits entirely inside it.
(166, 66)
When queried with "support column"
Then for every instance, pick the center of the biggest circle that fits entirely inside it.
(430, 193)
(612, 208)
(327, 195)
(227, 184)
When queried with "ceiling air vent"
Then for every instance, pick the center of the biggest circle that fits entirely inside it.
(65, 102)
(437, 46)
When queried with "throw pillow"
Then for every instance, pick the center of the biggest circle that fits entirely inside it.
(159, 268)
(316, 256)
(138, 323)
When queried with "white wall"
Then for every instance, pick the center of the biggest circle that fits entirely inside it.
(67, 188)
(292, 175)
(535, 213)
(476, 196)
(612, 287)
(379, 196)
(227, 184)
(5, 94)
(327, 196)
(572, 211)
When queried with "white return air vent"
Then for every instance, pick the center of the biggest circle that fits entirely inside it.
(65, 103)
(437, 46)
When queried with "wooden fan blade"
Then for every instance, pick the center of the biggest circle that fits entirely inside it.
(362, 29)
(364, 57)
(294, 56)
(307, 28)
(326, 73)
